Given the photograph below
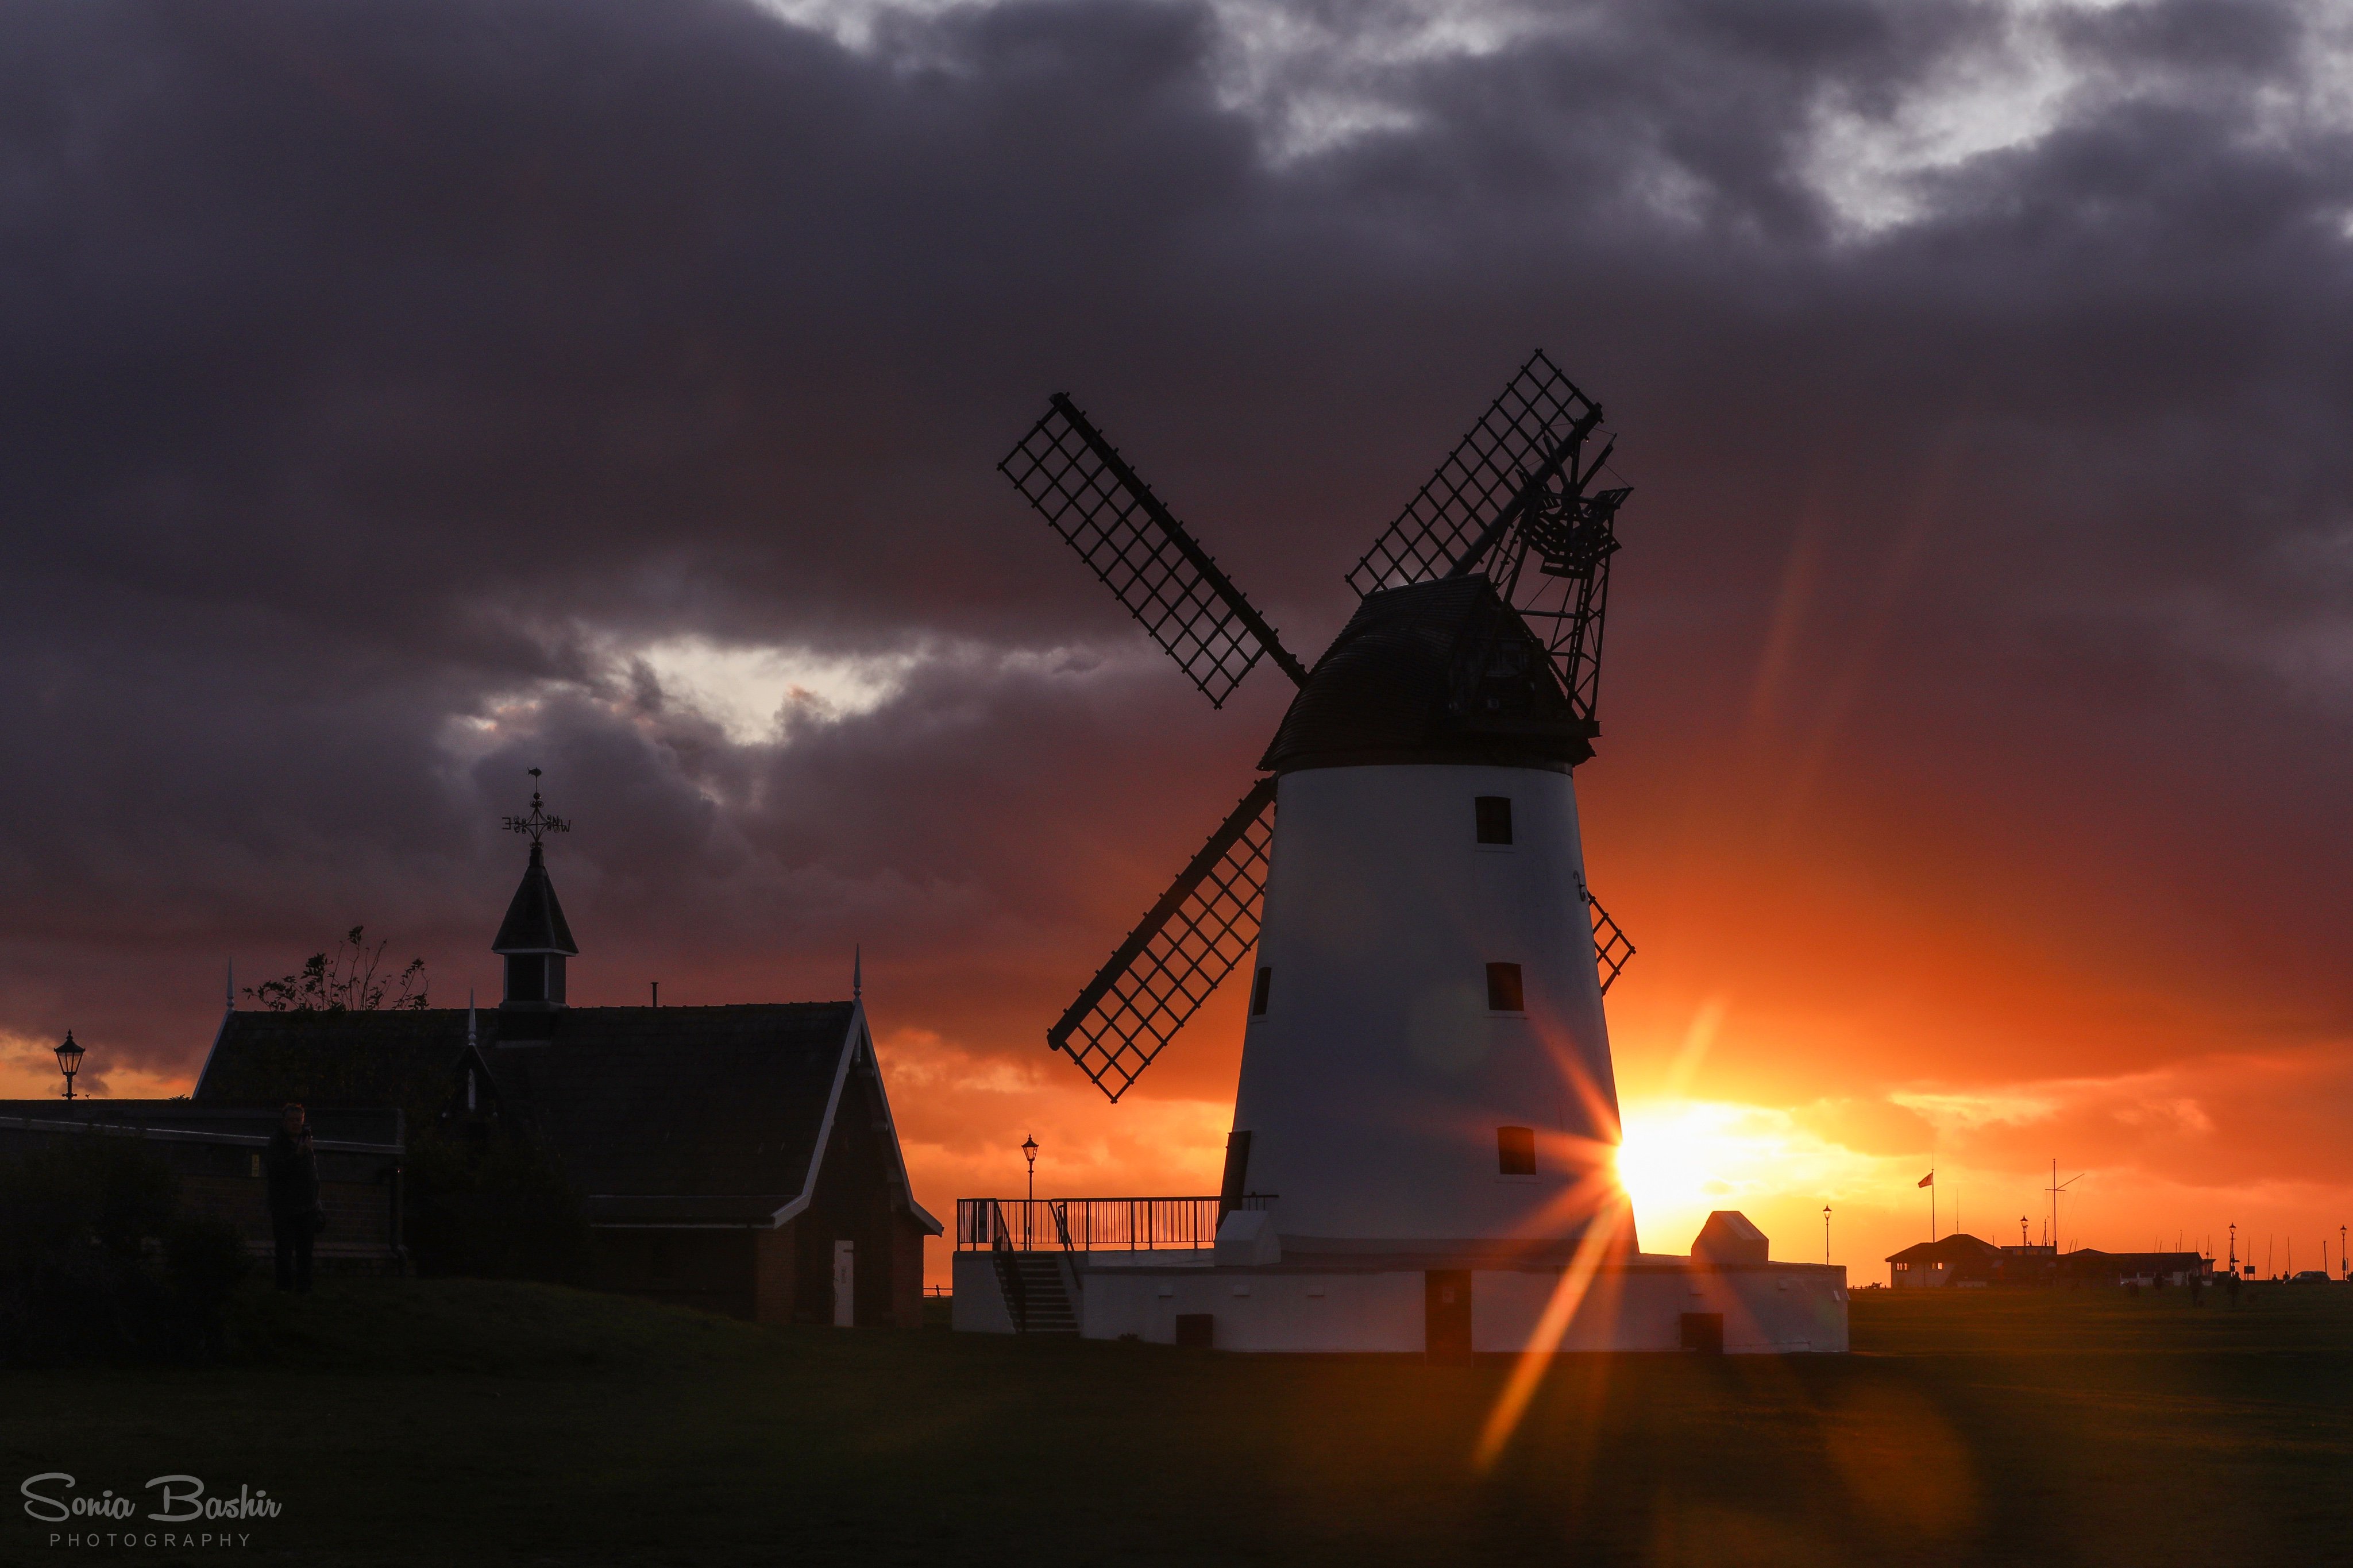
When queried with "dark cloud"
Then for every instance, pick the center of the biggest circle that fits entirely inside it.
(387, 378)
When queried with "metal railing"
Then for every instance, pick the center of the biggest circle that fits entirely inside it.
(1091, 1225)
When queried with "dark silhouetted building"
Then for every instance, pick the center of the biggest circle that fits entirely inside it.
(217, 1154)
(2089, 1266)
(741, 1159)
(1961, 1260)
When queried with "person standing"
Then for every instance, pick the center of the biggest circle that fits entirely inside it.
(294, 1212)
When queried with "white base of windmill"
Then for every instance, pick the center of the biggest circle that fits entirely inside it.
(1373, 1302)
(1379, 1091)
(1379, 1072)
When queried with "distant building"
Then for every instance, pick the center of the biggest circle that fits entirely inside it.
(2089, 1266)
(741, 1159)
(1957, 1259)
(1961, 1260)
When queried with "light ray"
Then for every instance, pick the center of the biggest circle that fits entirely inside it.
(1576, 1283)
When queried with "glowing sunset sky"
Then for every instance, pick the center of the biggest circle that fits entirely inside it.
(406, 394)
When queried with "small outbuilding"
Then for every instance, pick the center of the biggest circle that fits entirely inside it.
(1959, 1259)
(1731, 1237)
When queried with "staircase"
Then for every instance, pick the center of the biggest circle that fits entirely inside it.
(1035, 1294)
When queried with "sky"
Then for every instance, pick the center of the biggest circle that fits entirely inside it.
(403, 393)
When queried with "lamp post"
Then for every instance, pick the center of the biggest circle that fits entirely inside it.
(1029, 1153)
(1826, 1236)
(69, 1061)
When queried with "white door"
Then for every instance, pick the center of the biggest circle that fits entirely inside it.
(845, 1284)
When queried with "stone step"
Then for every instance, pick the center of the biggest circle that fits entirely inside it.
(1036, 1295)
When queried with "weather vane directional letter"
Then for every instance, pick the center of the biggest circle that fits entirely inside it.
(538, 824)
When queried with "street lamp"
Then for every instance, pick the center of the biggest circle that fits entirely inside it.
(1029, 1153)
(69, 1061)
(1826, 1235)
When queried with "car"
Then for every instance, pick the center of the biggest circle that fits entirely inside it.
(2302, 1275)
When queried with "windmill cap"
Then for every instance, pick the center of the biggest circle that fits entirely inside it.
(1442, 671)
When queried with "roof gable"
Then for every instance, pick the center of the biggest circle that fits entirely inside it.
(659, 1100)
(1959, 1247)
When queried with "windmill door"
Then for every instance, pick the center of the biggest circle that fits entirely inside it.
(845, 1284)
(1446, 1297)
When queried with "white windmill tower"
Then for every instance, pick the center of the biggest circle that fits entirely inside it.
(1425, 1082)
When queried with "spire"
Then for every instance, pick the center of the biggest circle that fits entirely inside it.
(534, 921)
(534, 939)
(857, 973)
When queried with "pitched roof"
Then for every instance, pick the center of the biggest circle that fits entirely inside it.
(659, 1114)
(1433, 672)
(405, 1058)
(1957, 1246)
(682, 1099)
(534, 921)
(1732, 1236)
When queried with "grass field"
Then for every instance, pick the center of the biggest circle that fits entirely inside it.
(458, 1421)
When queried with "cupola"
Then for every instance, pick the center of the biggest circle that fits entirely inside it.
(534, 937)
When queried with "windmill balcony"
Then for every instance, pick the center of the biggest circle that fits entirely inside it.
(1092, 1224)
(1022, 1264)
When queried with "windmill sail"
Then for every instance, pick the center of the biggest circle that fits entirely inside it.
(1516, 492)
(1104, 510)
(1205, 924)
(1534, 416)
(1611, 948)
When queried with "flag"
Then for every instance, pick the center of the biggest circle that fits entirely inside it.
(1930, 1180)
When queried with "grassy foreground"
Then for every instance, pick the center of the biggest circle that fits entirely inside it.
(416, 1421)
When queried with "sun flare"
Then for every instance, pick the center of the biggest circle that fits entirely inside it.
(1669, 1159)
(1681, 1158)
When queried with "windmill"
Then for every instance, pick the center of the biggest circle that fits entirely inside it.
(1426, 1055)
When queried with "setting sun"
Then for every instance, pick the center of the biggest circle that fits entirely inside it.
(1683, 1158)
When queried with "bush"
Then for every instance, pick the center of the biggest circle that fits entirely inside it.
(98, 1263)
(491, 1203)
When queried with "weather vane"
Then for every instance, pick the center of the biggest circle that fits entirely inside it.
(538, 824)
